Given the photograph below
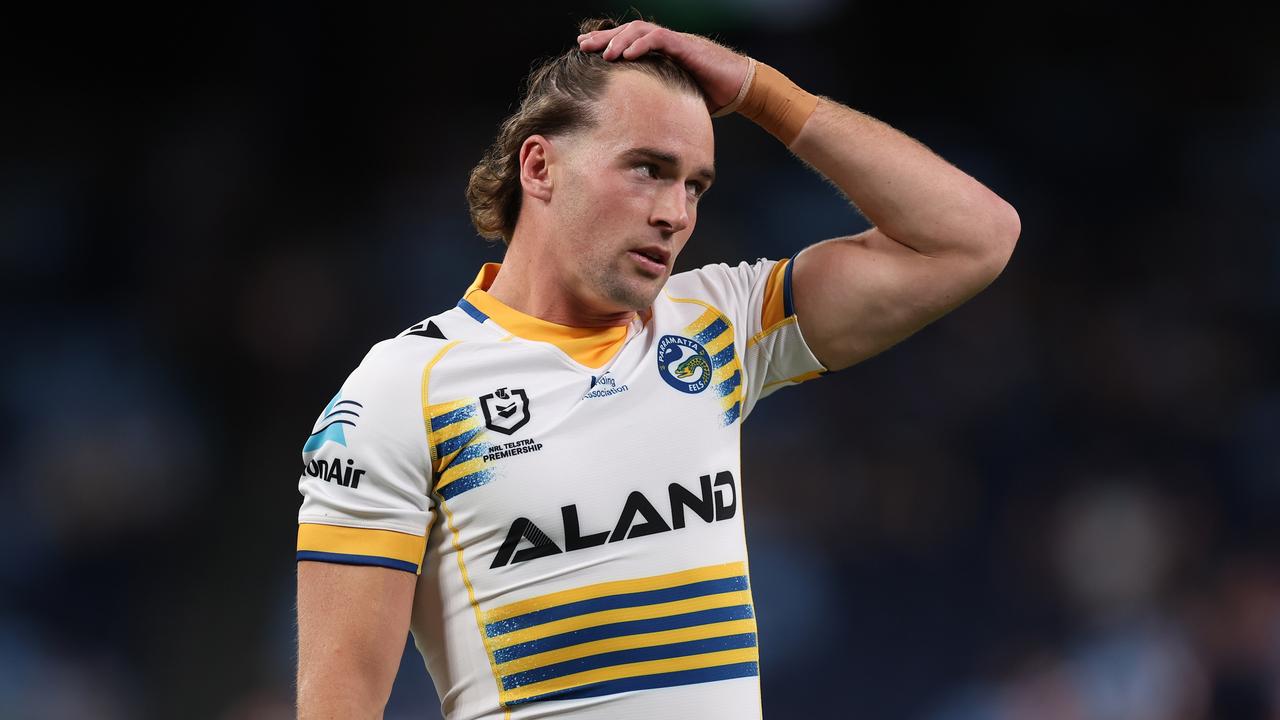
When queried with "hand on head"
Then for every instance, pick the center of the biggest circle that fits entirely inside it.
(718, 70)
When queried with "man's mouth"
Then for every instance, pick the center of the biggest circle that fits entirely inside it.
(651, 258)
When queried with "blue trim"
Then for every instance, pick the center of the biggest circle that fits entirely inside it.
(472, 310)
(722, 358)
(788, 308)
(452, 444)
(619, 629)
(732, 413)
(614, 602)
(712, 331)
(470, 452)
(441, 421)
(465, 483)
(729, 384)
(649, 682)
(631, 655)
(345, 559)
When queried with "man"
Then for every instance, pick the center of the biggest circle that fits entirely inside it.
(543, 483)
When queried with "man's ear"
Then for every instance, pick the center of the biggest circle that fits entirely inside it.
(536, 154)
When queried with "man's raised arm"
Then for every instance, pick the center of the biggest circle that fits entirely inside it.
(939, 236)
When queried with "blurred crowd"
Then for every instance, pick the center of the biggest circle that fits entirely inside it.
(1059, 502)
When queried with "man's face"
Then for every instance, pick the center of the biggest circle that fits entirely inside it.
(625, 196)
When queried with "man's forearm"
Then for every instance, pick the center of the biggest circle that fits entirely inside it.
(338, 697)
(903, 188)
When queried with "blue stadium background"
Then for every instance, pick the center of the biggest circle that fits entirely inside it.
(1059, 502)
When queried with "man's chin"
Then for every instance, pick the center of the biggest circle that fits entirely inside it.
(639, 295)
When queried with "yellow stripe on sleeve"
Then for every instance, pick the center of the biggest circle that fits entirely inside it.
(755, 339)
(774, 308)
(314, 537)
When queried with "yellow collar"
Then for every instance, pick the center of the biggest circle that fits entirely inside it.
(592, 347)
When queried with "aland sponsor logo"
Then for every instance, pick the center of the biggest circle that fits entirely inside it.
(715, 500)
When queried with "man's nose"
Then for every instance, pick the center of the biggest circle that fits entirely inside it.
(671, 208)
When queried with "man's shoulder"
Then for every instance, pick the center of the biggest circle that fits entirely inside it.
(716, 278)
(456, 323)
(404, 355)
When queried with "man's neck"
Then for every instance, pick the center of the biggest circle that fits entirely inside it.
(524, 286)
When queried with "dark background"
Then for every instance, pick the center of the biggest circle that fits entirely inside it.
(1058, 502)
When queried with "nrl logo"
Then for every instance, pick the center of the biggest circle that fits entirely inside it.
(505, 411)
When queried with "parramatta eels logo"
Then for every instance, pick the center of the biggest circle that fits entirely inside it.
(339, 412)
(684, 364)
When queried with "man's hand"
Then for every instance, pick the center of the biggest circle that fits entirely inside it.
(718, 70)
(939, 238)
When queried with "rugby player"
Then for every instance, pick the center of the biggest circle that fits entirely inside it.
(542, 483)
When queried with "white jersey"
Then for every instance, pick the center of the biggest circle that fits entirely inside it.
(570, 498)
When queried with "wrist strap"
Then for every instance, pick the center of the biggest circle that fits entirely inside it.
(769, 99)
(732, 107)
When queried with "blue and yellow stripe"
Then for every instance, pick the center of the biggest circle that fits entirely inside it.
(458, 447)
(778, 305)
(361, 546)
(779, 311)
(714, 332)
(681, 628)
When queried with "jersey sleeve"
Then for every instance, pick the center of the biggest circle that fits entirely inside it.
(757, 297)
(366, 469)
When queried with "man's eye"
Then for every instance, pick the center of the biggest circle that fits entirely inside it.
(695, 189)
(648, 169)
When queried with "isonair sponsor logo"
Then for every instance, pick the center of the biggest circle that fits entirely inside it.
(337, 415)
(335, 471)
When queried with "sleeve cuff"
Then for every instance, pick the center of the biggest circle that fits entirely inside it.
(777, 305)
(361, 546)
